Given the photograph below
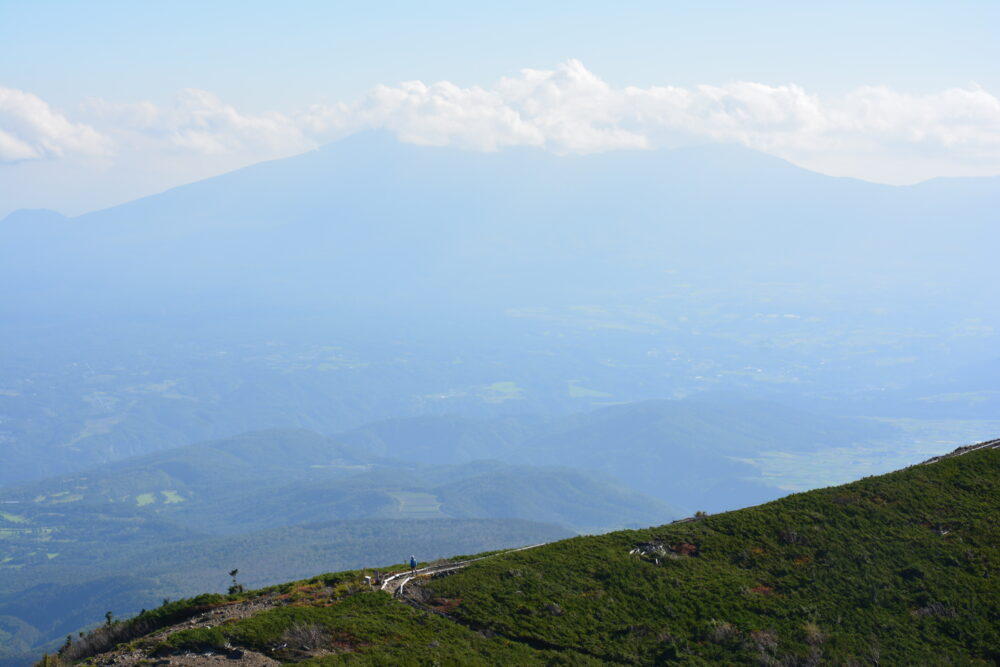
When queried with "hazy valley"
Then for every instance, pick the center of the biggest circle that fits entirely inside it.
(436, 351)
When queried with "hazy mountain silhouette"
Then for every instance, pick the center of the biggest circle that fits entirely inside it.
(369, 221)
(373, 279)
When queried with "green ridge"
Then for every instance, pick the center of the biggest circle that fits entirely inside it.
(897, 569)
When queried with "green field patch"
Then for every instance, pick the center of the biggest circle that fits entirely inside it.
(51, 556)
(499, 392)
(12, 518)
(72, 498)
(144, 499)
(969, 397)
(576, 391)
(171, 497)
(38, 499)
(417, 505)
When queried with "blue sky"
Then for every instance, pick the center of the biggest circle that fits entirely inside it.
(261, 57)
(258, 59)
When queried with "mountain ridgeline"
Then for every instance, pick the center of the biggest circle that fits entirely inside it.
(369, 222)
(125, 534)
(373, 279)
(896, 569)
(274, 503)
(690, 453)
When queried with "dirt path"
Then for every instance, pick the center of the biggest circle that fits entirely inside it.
(128, 657)
(395, 583)
(988, 444)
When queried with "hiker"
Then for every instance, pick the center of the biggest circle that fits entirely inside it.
(413, 564)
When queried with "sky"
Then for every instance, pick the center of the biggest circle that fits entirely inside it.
(102, 102)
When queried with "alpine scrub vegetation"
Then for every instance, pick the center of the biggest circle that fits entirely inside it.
(897, 569)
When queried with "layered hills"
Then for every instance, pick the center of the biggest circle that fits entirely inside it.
(895, 569)
(691, 453)
(272, 504)
(275, 503)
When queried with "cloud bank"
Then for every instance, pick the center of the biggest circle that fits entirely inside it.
(31, 130)
(872, 132)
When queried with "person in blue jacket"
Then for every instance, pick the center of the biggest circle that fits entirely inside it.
(413, 564)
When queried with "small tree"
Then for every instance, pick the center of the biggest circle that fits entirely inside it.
(235, 587)
(109, 618)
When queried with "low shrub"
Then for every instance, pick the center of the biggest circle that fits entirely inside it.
(193, 639)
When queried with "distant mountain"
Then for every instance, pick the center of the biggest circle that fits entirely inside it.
(690, 453)
(277, 478)
(445, 438)
(372, 279)
(24, 219)
(894, 569)
(371, 222)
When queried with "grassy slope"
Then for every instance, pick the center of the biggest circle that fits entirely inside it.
(46, 612)
(75, 546)
(380, 631)
(848, 572)
(896, 569)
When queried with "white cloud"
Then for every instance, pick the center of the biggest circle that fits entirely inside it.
(203, 123)
(872, 132)
(31, 130)
(198, 122)
(443, 114)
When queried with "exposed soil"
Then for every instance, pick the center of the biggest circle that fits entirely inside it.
(129, 656)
